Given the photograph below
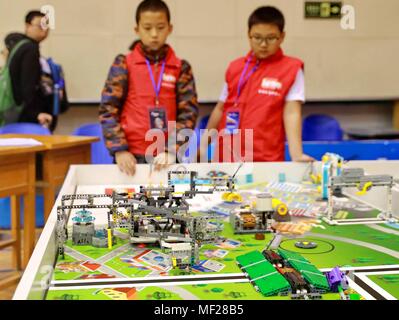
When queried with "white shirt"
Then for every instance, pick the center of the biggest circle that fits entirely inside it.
(296, 93)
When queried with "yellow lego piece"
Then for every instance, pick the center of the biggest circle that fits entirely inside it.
(367, 186)
(316, 179)
(178, 193)
(325, 158)
(109, 239)
(275, 202)
(231, 197)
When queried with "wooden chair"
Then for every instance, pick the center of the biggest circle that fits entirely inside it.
(15, 243)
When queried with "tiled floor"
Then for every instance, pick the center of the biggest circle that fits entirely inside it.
(5, 265)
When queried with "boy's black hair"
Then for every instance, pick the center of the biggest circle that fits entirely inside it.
(32, 15)
(152, 5)
(267, 15)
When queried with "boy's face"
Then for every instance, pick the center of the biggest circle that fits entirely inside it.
(153, 29)
(38, 29)
(265, 39)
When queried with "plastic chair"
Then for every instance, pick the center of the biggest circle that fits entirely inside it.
(25, 128)
(5, 212)
(321, 128)
(99, 152)
(195, 143)
(352, 149)
(201, 126)
(203, 122)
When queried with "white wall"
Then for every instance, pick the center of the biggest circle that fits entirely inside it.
(359, 64)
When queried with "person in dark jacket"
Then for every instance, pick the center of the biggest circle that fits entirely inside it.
(26, 71)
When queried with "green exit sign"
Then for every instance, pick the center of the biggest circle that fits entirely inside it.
(323, 9)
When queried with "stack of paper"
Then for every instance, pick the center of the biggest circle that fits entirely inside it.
(19, 142)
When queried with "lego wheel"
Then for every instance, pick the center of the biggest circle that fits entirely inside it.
(282, 209)
(199, 236)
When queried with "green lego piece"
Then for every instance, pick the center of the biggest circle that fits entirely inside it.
(310, 273)
(260, 269)
(354, 296)
(250, 258)
(272, 285)
(262, 274)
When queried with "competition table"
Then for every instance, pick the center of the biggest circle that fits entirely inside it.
(37, 278)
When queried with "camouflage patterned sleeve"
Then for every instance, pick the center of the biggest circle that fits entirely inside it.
(112, 100)
(187, 100)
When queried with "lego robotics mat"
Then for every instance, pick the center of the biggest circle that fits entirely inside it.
(268, 240)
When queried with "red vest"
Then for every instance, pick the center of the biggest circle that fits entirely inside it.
(261, 103)
(135, 118)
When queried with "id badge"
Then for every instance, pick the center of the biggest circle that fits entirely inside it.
(158, 118)
(232, 122)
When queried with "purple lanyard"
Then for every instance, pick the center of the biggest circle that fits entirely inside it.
(244, 79)
(157, 86)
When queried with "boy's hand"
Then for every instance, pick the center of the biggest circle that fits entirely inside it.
(45, 119)
(303, 158)
(163, 160)
(126, 162)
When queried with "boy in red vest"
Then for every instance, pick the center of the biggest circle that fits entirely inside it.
(264, 91)
(145, 90)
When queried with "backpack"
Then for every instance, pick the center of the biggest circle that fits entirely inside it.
(53, 87)
(59, 84)
(9, 110)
